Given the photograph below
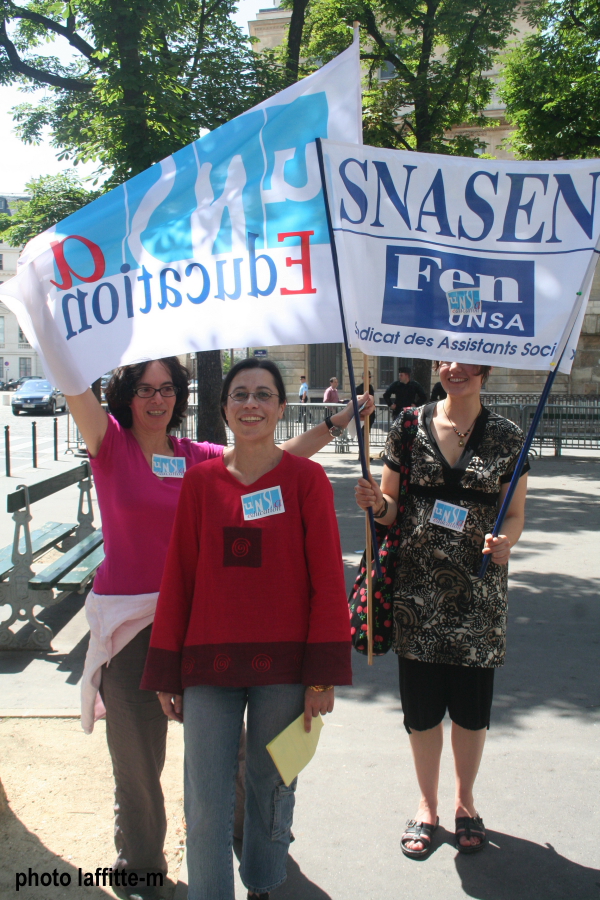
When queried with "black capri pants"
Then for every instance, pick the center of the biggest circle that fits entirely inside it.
(427, 690)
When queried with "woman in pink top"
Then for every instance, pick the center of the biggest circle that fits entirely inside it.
(138, 468)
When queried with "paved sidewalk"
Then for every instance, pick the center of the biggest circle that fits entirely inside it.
(540, 776)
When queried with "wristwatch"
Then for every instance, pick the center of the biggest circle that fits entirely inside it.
(334, 430)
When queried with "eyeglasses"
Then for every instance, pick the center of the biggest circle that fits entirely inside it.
(261, 396)
(145, 391)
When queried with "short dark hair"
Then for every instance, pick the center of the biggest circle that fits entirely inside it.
(483, 370)
(333, 378)
(252, 363)
(404, 370)
(120, 390)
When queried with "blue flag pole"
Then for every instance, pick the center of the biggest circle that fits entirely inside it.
(359, 436)
(554, 367)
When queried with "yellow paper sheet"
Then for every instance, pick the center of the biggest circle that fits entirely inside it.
(293, 748)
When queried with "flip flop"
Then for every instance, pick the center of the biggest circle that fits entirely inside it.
(470, 827)
(418, 831)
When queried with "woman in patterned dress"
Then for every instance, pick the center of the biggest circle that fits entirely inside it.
(450, 626)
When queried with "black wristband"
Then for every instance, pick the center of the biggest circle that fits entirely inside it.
(383, 514)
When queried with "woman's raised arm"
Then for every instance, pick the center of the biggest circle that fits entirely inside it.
(317, 437)
(90, 418)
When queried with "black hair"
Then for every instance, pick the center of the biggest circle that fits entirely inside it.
(404, 370)
(252, 363)
(120, 390)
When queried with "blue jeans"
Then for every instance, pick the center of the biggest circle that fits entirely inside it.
(212, 723)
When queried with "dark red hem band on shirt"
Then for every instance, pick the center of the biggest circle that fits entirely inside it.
(247, 665)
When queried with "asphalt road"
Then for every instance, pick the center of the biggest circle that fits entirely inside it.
(21, 456)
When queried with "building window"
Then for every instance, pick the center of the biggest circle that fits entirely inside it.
(1, 261)
(388, 369)
(2, 330)
(1, 368)
(387, 71)
(325, 362)
(24, 366)
(3, 204)
(23, 342)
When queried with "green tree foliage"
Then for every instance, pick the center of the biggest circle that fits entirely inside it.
(52, 199)
(434, 55)
(552, 82)
(146, 77)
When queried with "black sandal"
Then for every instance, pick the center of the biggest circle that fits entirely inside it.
(418, 831)
(470, 827)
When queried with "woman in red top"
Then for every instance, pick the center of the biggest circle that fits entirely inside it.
(251, 614)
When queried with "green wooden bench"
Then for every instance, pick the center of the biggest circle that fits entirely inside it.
(21, 588)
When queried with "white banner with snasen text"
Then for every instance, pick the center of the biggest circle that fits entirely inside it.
(479, 261)
(223, 244)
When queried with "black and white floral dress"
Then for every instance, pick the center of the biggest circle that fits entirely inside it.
(443, 613)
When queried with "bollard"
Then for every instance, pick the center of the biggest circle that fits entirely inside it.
(55, 439)
(7, 448)
(34, 443)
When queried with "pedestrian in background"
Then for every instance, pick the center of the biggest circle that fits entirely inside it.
(303, 392)
(331, 394)
(404, 392)
(438, 392)
(449, 625)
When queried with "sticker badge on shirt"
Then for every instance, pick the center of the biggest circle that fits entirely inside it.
(262, 503)
(168, 466)
(447, 515)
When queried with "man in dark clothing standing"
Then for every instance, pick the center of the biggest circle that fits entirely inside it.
(404, 392)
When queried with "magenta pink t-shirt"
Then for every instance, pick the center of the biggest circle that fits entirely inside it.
(138, 510)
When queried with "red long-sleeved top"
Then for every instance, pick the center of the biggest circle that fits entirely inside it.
(252, 602)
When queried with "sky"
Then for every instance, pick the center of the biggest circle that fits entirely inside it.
(19, 162)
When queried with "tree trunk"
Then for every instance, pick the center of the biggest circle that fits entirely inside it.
(421, 372)
(295, 39)
(210, 425)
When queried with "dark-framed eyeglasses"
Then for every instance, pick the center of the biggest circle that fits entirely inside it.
(261, 396)
(145, 392)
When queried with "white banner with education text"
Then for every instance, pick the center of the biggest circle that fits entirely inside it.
(223, 244)
(450, 258)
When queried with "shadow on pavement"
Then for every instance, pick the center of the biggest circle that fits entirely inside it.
(23, 852)
(511, 868)
(552, 657)
(297, 886)
(56, 617)
(551, 511)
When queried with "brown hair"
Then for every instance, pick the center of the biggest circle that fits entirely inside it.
(120, 390)
(483, 370)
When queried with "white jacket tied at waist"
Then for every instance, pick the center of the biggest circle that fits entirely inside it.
(114, 621)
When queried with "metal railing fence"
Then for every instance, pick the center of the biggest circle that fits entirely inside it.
(568, 422)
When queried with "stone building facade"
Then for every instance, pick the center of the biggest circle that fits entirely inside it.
(269, 28)
(17, 356)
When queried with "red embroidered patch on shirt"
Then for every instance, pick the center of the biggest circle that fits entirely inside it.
(242, 547)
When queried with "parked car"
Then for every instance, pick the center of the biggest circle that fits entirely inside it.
(36, 395)
(15, 383)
